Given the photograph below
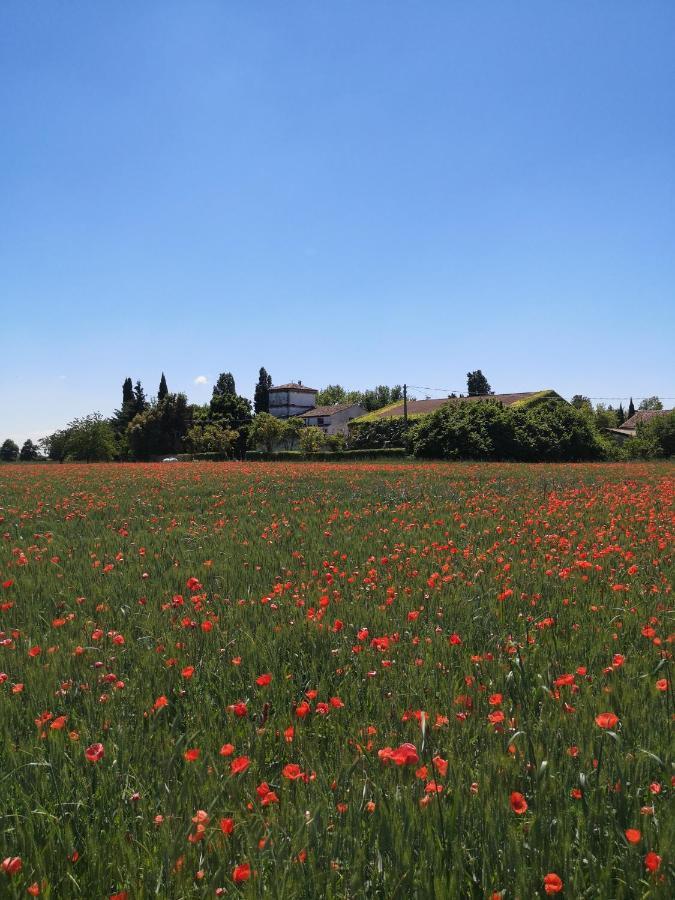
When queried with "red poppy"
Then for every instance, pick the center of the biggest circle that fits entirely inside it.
(239, 765)
(292, 771)
(552, 883)
(632, 835)
(263, 680)
(192, 754)
(94, 752)
(241, 873)
(652, 861)
(606, 720)
(227, 826)
(11, 865)
(518, 803)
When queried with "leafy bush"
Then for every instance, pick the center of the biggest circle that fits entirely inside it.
(489, 431)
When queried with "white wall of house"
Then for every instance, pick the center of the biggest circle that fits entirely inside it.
(336, 422)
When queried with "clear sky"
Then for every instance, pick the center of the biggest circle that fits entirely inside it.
(355, 192)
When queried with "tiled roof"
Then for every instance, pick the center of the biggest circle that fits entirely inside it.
(292, 386)
(327, 410)
(642, 415)
(418, 407)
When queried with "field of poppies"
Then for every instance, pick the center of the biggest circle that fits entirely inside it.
(303, 680)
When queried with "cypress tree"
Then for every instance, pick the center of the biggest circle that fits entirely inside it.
(140, 402)
(127, 392)
(620, 415)
(163, 389)
(631, 408)
(261, 397)
(224, 385)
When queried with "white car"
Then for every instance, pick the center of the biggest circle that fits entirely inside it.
(170, 459)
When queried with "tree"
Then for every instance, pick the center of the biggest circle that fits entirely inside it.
(163, 390)
(656, 436)
(140, 404)
(9, 451)
(477, 384)
(160, 429)
(620, 415)
(210, 438)
(29, 452)
(127, 392)
(261, 396)
(650, 403)
(578, 401)
(89, 439)
(231, 410)
(224, 385)
(605, 417)
(266, 430)
(312, 439)
(631, 409)
(291, 430)
(54, 446)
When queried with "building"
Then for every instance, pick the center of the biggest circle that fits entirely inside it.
(628, 429)
(293, 399)
(423, 407)
(332, 419)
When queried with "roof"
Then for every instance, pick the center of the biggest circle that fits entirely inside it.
(294, 386)
(327, 410)
(642, 415)
(421, 407)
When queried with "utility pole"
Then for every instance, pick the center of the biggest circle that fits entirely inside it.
(405, 403)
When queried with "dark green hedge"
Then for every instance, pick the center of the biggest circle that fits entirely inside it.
(326, 456)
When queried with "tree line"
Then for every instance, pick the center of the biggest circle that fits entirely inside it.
(168, 424)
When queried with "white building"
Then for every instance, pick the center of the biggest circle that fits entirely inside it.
(332, 419)
(292, 399)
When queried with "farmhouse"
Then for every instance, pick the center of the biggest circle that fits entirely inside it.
(293, 399)
(423, 407)
(296, 400)
(628, 429)
(332, 419)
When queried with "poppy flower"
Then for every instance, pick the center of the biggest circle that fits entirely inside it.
(239, 765)
(518, 803)
(240, 873)
(292, 771)
(552, 883)
(11, 865)
(192, 755)
(263, 680)
(227, 826)
(606, 720)
(94, 752)
(226, 750)
(652, 861)
(632, 835)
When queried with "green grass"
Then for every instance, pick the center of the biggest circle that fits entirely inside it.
(344, 582)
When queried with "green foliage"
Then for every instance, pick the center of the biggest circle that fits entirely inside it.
(650, 403)
(578, 401)
(312, 439)
(160, 429)
(29, 452)
(266, 431)
(224, 385)
(372, 399)
(631, 409)
(231, 410)
(210, 438)
(261, 396)
(9, 452)
(370, 432)
(140, 401)
(490, 431)
(477, 384)
(335, 442)
(654, 439)
(291, 431)
(392, 453)
(163, 390)
(88, 439)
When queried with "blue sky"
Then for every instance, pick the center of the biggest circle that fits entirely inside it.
(353, 192)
